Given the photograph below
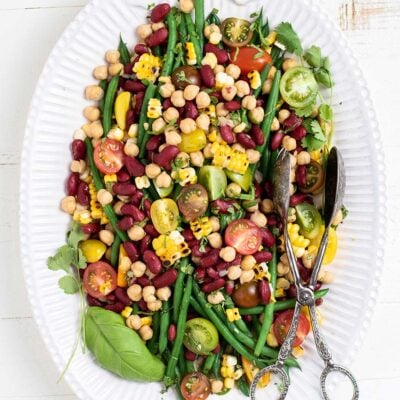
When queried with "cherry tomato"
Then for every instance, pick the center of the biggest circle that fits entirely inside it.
(298, 87)
(309, 219)
(93, 249)
(331, 248)
(243, 180)
(193, 141)
(236, 32)
(249, 59)
(282, 325)
(250, 370)
(201, 336)
(247, 295)
(99, 279)
(195, 386)
(314, 178)
(185, 76)
(108, 156)
(193, 201)
(244, 235)
(164, 215)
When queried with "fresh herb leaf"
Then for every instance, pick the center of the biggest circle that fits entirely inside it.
(305, 111)
(75, 235)
(79, 260)
(323, 76)
(69, 284)
(62, 260)
(254, 14)
(315, 138)
(289, 38)
(313, 57)
(258, 55)
(326, 112)
(326, 63)
(203, 244)
(236, 117)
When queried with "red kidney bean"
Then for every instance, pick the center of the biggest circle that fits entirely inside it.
(299, 148)
(82, 194)
(168, 278)
(257, 135)
(263, 256)
(227, 133)
(123, 176)
(134, 166)
(143, 281)
(301, 175)
(171, 332)
(78, 149)
(121, 295)
(247, 318)
(221, 266)
(304, 272)
(260, 103)
(232, 105)
(217, 350)
(117, 307)
(136, 59)
(268, 239)
(299, 133)
(297, 198)
(265, 291)
(276, 140)
(188, 234)
(121, 82)
(91, 228)
(147, 205)
(143, 304)
(222, 55)
(158, 37)
(92, 302)
(134, 86)
(128, 68)
(189, 355)
(292, 122)
(191, 110)
(196, 250)
(137, 198)
(124, 188)
(257, 190)
(272, 220)
(164, 158)
(229, 287)
(138, 102)
(269, 189)
(150, 230)
(214, 285)
(145, 244)
(130, 118)
(154, 142)
(167, 104)
(319, 301)
(141, 49)
(246, 141)
(317, 286)
(159, 12)
(71, 186)
(152, 261)
(200, 274)
(212, 273)
(133, 211)
(218, 96)
(207, 76)
(125, 223)
(210, 258)
(222, 206)
(292, 292)
(131, 251)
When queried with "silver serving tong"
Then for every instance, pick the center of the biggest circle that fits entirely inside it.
(334, 192)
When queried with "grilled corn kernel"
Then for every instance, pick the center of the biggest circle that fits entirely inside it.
(271, 38)
(190, 53)
(233, 314)
(297, 351)
(170, 248)
(229, 361)
(146, 320)
(127, 311)
(148, 67)
(227, 372)
(201, 227)
(110, 178)
(279, 292)
(255, 79)
(229, 383)
(154, 109)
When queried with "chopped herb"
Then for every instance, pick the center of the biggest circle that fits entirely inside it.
(326, 112)
(69, 284)
(315, 138)
(289, 38)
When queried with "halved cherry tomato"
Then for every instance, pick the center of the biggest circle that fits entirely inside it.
(193, 141)
(193, 201)
(298, 87)
(331, 248)
(314, 177)
(185, 76)
(108, 156)
(309, 219)
(214, 180)
(99, 279)
(282, 325)
(244, 235)
(249, 59)
(250, 370)
(164, 215)
(195, 386)
(201, 336)
(236, 32)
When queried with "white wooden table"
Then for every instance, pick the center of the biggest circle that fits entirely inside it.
(28, 31)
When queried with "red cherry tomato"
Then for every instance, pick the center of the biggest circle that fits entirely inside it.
(282, 325)
(193, 201)
(195, 386)
(108, 156)
(244, 235)
(249, 59)
(99, 279)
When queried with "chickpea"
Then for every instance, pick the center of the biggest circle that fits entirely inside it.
(143, 31)
(167, 90)
(227, 253)
(238, 147)
(134, 292)
(78, 166)
(186, 6)
(94, 130)
(187, 125)
(282, 283)
(158, 125)
(250, 206)
(229, 92)
(116, 134)
(218, 68)
(107, 237)
(209, 29)
(308, 260)
(214, 221)
(293, 161)
(148, 290)
(157, 25)
(289, 143)
(164, 293)
(197, 158)
(117, 207)
(267, 86)
(259, 219)
(138, 268)
(303, 158)
(256, 116)
(233, 71)
(101, 72)
(234, 272)
(116, 69)
(183, 159)
(247, 276)
(215, 38)
(289, 63)
(243, 88)
(326, 277)
(68, 204)
(171, 114)
(271, 73)
(248, 263)
(207, 151)
(283, 115)
(79, 134)
(253, 156)
(203, 122)
(211, 60)
(203, 100)
(190, 92)
(112, 56)
(133, 131)
(215, 240)
(275, 125)
(240, 128)
(282, 269)
(215, 298)
(249, 102)
(145, 332)
(94, 92)
(131, 148)
(163, 180)
(134, 322)
(291, 215)
(172, 137)
(233, 190)
(136, 233)
(104, 197)
(152, 170)
(154, 305)
(142, 182)
(221, 111)
(177, 99)
(267, 206)
(91, 113)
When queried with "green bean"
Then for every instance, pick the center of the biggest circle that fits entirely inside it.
(103, 84)
(280, 305)
(153, 345)
(213, 18)
(265, 29)
(109, 104)
(193, 37)
(181, 361)
(189, 366)
(268, 308)
(136, 309)
(176, 191)
(216, 368)
(123, 51)
(151, 191)
(263, 75)
(178, 293)
(115, 251)
(243, 386)
(172, 38)
(150, 91)
(179, 374)
(164, 325)
(239, 323)
(180, 330)
(199, 20)
(156, 51)
(196, 307)
(209, 363)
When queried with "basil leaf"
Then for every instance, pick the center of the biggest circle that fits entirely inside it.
(323, 76)
(119, 349)
(313, 56)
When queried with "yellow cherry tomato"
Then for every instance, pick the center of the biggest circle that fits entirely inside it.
(250, 370)
(122, 105)
(164, 215)
(330, 249)
(193, 141)
(93, 250)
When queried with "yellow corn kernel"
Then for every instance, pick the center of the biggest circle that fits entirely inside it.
(272, 341)
(316, 156)
(279, 292)
(146, 320)
(225, 157)
(127, 311)
(213, 136)
(271, 38)
(297, 351)
(84, 217)
(170, 248)
(299, 242)
(227, 372)
(185, 176)
(110, 178)
(201, 227)
(233, 314)
(154, 109)
(255, 79)
(190, 53)
(88, 179)
(104, 220)
(261, 271)
(229, 383)
(210, 111)
(238, 374)
(147, 67)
